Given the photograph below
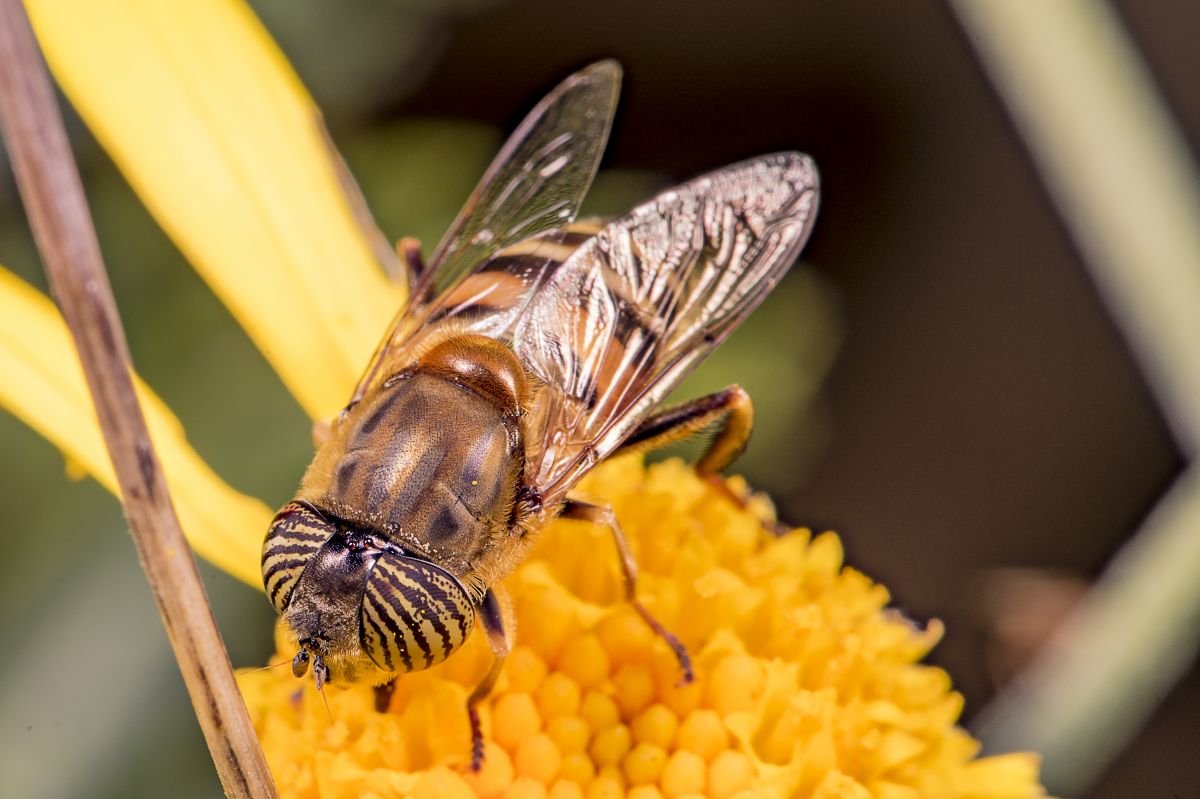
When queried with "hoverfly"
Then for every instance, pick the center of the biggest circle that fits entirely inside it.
(531, 348)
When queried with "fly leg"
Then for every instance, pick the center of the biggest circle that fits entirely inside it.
(409, 250)
(603, 515)
(322, 429)
(498, 639)
(730, 407)
(383, 695)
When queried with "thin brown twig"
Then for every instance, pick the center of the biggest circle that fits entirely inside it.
(58, 212)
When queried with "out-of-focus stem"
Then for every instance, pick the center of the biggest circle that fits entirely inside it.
(1093, 687)
(1123, 180)
(53, 196)
(1118, 170)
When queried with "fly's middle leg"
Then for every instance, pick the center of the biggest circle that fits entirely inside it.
(603, 515)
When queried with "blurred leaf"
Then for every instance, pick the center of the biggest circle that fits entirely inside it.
(358, 56)
(616, 191)
(417, 174)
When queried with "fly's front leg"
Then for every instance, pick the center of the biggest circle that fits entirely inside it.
(498, 639)
(383, 695)
(322, 430)
(603, 515)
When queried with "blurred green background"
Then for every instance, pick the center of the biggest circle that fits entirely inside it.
(940, 383)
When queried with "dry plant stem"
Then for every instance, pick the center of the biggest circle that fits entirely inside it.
(53, 196)
(1124, 181)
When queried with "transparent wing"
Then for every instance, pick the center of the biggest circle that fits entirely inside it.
(539, 178)
(535, 184)
(617, 325)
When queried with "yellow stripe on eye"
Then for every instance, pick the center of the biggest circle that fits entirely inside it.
(394, 650)
(414, 614)
(297, 534)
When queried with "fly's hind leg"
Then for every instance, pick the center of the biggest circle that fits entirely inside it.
(730, 408)
(498, 639)
(603, 515)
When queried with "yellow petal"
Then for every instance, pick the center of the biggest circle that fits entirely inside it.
(213, 129)
(1000, 776)
(44, 386)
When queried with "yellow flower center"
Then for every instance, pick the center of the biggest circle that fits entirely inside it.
(805, 684)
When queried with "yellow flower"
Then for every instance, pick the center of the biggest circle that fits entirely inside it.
(806, 685)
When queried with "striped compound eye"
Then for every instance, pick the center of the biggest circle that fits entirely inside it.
(296, 534)
(414, 614)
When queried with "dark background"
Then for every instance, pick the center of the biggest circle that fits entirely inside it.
(979, 409)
